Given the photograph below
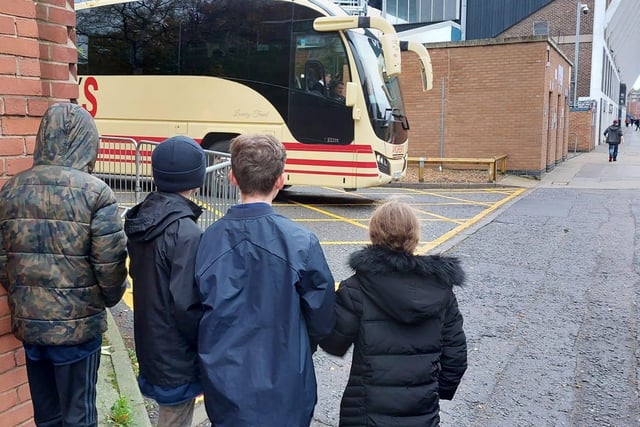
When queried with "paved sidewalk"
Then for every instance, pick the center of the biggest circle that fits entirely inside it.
(592, 169)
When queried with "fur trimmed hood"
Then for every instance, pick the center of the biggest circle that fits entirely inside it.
(407, 287)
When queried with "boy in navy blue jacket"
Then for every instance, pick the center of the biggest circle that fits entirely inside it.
(268, 298)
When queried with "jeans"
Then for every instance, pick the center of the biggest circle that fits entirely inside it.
(613, 151)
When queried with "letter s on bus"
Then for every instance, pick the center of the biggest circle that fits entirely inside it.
(91, 85)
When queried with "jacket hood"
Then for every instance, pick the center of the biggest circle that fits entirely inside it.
(67, 137)
(407, 287)
(149, 219)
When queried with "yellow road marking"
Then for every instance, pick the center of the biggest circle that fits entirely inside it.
(332, 215)
(458, 199)
(338, 190)
(207, 206)
(440, 217)
(362, 223)
(468, 224)
(128, 293)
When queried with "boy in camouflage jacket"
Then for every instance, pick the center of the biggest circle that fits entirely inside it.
(62, 261)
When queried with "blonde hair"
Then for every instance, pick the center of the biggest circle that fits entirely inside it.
(395, 225)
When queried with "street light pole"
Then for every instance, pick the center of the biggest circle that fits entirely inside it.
(580, 9)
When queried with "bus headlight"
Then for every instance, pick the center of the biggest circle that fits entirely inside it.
(383, 164)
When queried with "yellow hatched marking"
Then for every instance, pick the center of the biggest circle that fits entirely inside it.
(331, 215)
(338, 190)
(440, 217)
(207, 206)
(457, 199)
(472, 221)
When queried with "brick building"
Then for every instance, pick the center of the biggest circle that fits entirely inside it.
(558, 20)
(500, 97)
(37, 68)
(633, 104)
(608, 61)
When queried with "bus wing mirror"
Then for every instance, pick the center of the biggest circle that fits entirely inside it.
(335, 23)
(426, 70)
(391, 49)
(350, 93)
(388, 40)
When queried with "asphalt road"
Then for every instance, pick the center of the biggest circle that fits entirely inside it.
(551, 305)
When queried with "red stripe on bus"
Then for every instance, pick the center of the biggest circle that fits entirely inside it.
(123, 152)
(333, 163)
(293, 146)
(112, 160)
(360, 175)
(122, 160)
(351, 148)
(140, 138)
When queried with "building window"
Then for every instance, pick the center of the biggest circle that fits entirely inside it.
(541, 28)
(421, 10)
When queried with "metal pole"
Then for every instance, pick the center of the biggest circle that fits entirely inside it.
(441, 120)
(576, 56)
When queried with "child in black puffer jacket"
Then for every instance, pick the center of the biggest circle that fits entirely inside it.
(400, 312)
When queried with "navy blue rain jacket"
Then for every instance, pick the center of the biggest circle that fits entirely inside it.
(268, 297)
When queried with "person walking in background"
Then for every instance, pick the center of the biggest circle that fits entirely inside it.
(163, 239)
(62, 261)
(268, 298)
(613, 135)
(400, 312)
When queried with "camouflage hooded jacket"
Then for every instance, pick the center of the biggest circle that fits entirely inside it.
(62, 244)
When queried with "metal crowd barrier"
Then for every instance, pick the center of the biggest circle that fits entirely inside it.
(217, 194)
(125, 164)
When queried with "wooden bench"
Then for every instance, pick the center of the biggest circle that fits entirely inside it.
(493, 164)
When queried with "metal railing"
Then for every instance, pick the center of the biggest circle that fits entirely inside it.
(125, 164)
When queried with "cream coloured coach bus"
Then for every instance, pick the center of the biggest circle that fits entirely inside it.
(213, 69)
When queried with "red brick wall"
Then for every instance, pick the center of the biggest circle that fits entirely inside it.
(37, 68)
(507, 97)
(561, 16)
(582, 131)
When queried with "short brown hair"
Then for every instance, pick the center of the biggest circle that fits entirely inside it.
(257, 161)
(395, 225)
